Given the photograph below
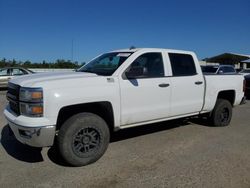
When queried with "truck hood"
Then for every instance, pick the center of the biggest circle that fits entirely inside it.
(30, 80)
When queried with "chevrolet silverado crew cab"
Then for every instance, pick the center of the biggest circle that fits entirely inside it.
(117, 90)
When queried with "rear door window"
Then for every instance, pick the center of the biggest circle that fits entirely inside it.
(182, 64)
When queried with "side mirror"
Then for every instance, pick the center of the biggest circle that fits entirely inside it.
(135, 72)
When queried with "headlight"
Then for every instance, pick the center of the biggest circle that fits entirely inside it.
(31, 110)
(31, 94)
(31, 102)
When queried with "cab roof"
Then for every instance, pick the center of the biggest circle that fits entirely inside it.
(150, 49)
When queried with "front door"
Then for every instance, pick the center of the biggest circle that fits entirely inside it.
(145, 96)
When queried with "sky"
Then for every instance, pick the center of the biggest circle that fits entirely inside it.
(47, 30)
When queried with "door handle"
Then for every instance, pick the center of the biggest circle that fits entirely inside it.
(163, 85)
(198, 82)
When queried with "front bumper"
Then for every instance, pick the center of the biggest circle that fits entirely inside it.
(36, 136)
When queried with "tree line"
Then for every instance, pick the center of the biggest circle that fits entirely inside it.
(59, 63)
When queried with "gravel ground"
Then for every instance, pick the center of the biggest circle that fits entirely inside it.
(168, 154)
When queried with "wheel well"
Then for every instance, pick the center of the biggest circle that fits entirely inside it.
(102, 109)
(227, 95)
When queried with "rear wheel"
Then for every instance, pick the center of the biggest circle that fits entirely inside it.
(222, 113)
(83, 139)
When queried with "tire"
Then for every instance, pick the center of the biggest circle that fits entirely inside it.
(83, 139)
(222, 113)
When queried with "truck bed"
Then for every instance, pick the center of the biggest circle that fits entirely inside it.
(216, 83)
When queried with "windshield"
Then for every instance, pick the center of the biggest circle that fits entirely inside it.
(105, 64)
(209, 69)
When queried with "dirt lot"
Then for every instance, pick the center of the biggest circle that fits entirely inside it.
(169, 154)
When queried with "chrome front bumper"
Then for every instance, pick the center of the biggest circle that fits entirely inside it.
(34, 136)
(36, 132)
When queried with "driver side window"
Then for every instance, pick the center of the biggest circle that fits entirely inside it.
(148, 65)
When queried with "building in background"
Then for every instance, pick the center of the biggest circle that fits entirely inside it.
(237, 60)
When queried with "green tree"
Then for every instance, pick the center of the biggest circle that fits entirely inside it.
(59, 63)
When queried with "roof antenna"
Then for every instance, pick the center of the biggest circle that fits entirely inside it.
(132, 47)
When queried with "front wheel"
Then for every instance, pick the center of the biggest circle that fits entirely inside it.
(83, 139)
(222, 113)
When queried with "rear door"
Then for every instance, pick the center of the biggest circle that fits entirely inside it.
(146, 97)
(187, 85)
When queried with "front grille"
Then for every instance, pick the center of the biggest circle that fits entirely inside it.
(13, 97)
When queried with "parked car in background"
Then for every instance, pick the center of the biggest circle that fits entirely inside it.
(9, 72)
(218, 69)
(247, 86)
(245, 72)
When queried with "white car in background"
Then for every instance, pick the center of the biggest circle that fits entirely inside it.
(8, 73)
(218, 69)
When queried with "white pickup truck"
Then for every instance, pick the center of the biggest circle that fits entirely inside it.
(117, 90)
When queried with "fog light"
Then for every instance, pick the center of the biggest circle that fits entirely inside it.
(25, 133)
(29, 133)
